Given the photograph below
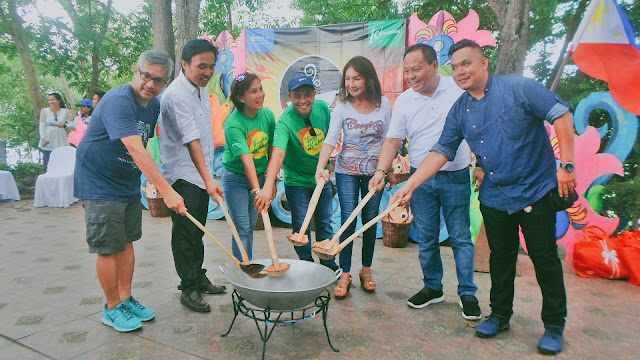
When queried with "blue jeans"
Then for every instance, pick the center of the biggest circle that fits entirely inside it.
(350, 190)
(298, 198)
(239, 200)
(450, 190)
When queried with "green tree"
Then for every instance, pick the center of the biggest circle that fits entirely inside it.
(90, 25)
(18, 38)
(324, 12)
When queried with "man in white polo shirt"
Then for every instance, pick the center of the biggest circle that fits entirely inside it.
(419, 113)
(187, 156)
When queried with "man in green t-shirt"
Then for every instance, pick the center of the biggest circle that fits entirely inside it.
(297, 141)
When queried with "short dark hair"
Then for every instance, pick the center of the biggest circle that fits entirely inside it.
(197, 46)
(100, 93)
(240, 87)
(465, 43)
(59, 98)
(364, 67)
(427, 51)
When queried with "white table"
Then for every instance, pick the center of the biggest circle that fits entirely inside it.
(8, 187)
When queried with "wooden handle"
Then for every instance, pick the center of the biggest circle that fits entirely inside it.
(234, 231)
(312, 208)
(272, 246)
(199, 225)
(353, 215)
(366, 226)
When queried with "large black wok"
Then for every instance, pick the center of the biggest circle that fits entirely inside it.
(300, 286)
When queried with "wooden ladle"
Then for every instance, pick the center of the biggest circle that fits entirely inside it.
(245, 258)
(331, 253)
(300, 238)
(277, 268)
(249, 269)
(321, 248)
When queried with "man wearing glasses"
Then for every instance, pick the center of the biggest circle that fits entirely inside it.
(187, 156)
(107, 178)
(297, 142)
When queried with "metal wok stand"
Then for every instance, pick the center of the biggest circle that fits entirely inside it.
(320, 305)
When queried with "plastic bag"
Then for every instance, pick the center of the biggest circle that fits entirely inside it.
(598, 255)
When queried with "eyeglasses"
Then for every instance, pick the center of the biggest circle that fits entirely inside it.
(307, 122)
(145, 76)
(241, 76)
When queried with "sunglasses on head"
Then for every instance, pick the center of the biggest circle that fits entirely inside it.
(242, 76)
(312, 131)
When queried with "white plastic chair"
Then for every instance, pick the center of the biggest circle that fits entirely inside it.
(55, 187)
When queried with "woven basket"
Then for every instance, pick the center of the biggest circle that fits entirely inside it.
(157, 207)
(395, 235)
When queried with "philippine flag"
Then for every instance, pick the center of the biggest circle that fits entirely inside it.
(605, 48)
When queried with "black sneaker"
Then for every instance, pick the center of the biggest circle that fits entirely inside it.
(470, 308)
(425, 297)
(206, 287)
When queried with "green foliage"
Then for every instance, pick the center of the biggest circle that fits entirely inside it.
(24, 170)
(622, 200)
(17, 123)
(325, 12)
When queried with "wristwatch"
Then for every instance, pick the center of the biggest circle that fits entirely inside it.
(568, 166)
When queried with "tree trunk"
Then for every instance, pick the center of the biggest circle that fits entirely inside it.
(95, 51)
(572, 26)
(514, 34)
(229, 17)
(187, 18)
(162, 19)
(13, 25)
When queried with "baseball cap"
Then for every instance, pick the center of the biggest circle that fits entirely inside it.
(85, 102)
(300, 79)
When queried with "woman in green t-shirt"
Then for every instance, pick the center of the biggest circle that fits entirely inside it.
(248, 138)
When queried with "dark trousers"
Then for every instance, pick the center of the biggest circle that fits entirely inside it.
(538, 227)
(186, 238)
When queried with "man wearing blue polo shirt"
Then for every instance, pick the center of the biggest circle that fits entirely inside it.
(502, 120)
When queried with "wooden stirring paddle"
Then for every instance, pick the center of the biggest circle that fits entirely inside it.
(249, 269)
(331, 253)
(245, 258)
(323, 247)
(278, 268)
(300, 238)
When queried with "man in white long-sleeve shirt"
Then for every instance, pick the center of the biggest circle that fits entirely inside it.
(187, 156)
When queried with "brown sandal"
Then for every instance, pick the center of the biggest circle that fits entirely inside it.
(367, 283)
(341, 292)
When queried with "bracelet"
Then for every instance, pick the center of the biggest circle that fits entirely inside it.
(255, 192)
(384, 172)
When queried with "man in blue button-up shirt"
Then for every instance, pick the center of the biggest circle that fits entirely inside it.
(502, 120)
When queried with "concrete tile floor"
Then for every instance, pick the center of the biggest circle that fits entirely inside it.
(51, 302)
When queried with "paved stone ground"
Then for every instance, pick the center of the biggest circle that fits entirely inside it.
(51, 302)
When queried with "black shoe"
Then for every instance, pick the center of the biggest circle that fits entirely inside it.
(193, 301)
(206, 287)
(470, 308)
(425, 297)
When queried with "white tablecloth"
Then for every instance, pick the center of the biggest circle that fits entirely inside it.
(8, 187)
